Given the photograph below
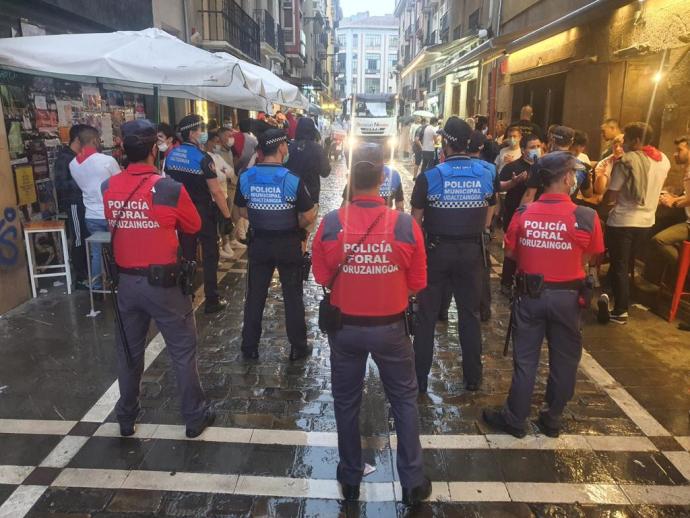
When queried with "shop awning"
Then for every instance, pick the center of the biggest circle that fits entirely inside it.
(490, 48)
(435, 54)
(511, 42)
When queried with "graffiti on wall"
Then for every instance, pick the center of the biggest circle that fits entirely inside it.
(9, 244)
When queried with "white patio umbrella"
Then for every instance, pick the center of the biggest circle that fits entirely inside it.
(263, 82)
(147, 60)
(423, 113)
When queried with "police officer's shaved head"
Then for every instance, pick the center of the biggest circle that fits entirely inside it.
(138, 139)
(271, 140)
(456, 134)
(553, 167)
(367, 166)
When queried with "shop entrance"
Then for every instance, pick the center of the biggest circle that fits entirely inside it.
(545, 95)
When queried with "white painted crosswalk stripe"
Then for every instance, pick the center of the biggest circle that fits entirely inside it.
(540, 492)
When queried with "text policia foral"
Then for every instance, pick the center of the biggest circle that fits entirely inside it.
(133, 214)
(369, 259)
(545, 234)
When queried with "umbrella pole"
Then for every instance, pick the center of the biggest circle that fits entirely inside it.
(157, 117)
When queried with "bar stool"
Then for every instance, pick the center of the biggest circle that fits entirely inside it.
(683, 267)
(103, 239)
(40, 227)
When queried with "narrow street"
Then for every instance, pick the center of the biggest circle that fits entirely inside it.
(273, 449)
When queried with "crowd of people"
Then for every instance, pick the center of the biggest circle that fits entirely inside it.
(625, 185)
(387, 276)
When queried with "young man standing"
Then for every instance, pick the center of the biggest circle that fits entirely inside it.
(70, 201)
(634, 190)
(90, 169)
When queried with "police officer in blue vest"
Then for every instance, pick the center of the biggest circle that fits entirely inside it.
(391, 189)
(193, 168)
(451, 201)
(278, 206)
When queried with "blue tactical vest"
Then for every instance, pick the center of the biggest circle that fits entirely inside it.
(185, 158)
(458, 196)
(391, 183)
(271, 193)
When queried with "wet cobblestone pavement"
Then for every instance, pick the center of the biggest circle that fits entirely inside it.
(272, 451)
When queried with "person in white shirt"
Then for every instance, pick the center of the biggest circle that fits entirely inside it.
(225, 173)
(634, 190)
(669, 240)
(90, 169)
(512, 149)
(428, 142)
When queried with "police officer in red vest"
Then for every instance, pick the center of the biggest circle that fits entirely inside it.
(550, 240)
(372, 258)
(144, 213)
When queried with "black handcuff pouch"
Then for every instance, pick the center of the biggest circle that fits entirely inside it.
(330, 316)
(163, 275)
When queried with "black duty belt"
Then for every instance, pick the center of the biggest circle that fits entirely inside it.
(141, 272)
(352, 320)
(258, 232)
(441, 238)
(566, 285)
(144, 271)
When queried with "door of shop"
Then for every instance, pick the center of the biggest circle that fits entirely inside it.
(545, 95)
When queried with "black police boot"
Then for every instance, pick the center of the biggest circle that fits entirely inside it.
(350, 493)
(127, 430)
(250, 354)
(546, 428)
(495, 419)
(215, 306)
(473, 386)
(209, 419)
(422, 384)
(416, 495)
(298, 353)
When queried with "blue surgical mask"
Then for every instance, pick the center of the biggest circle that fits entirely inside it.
(286, 158)
(203, 138)
(534, 154)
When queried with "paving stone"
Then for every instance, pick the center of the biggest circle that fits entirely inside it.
(135, 501)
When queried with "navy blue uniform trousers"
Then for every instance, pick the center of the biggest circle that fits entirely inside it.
(174, 317)
(391, 350)
(458, 264)
(265, 255)
(555, 315)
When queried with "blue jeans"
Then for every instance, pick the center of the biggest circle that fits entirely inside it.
(96, 225)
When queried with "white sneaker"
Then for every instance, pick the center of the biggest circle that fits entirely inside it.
(226, 256)
(236, 244)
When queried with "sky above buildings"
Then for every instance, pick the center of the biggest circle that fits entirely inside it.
(377, 7)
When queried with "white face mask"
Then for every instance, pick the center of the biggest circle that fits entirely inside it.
(163, 147)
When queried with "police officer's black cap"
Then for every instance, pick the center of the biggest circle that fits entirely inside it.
(367, 153)
(456, 131)
(477, 142)
(272, 138)
(191, 122)
(563, 135)
(554, 165)
(138, 131)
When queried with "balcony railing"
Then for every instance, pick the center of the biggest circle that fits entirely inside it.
(281, 40)
(267, 26)
(224, 20)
